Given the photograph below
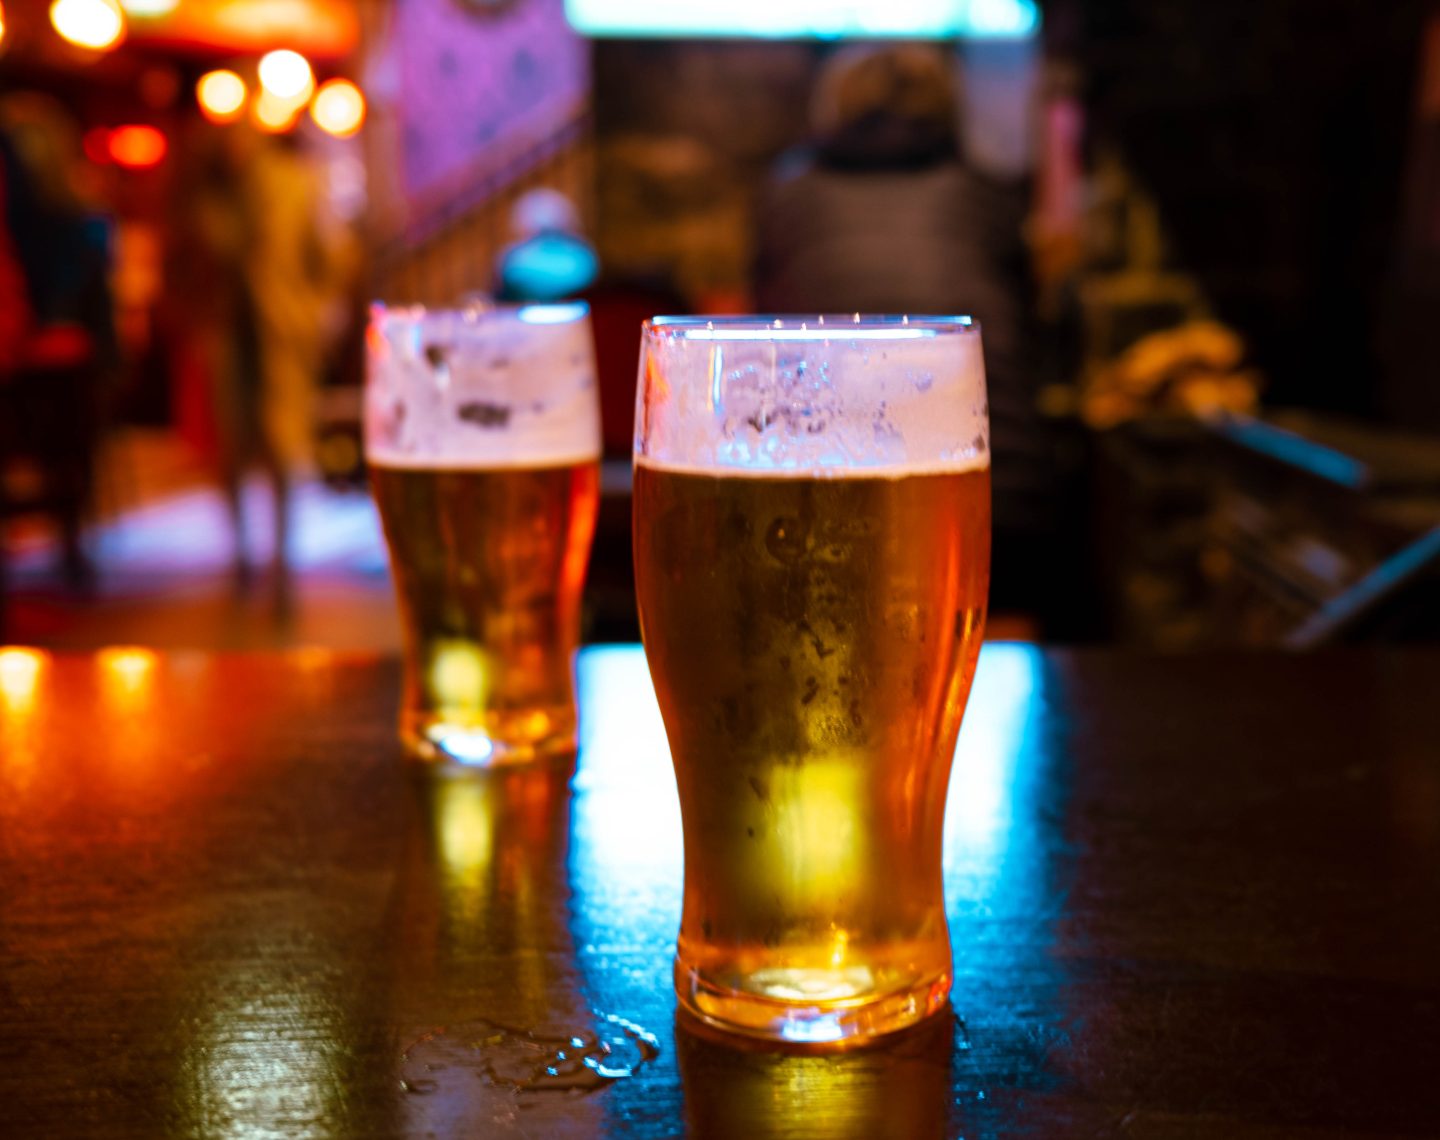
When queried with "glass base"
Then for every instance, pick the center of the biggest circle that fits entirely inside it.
(820, 1009)
(465, 746)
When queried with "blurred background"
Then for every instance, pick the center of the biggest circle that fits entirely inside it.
(1203, 241)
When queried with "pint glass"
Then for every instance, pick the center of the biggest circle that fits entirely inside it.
(812, 546)
(482, 435)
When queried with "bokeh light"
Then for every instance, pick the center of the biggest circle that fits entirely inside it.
(221, 95)
(137, 146)
(20, 672)
(339, 108)
(274, 114)
(286, 74)
(2, 23)
(149, 9)
(95, 24)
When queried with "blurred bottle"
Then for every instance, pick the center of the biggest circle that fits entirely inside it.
(549, 258)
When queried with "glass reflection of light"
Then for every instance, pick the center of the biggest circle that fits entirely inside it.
(457, 673)
(496, 833)
(980, 809)
(817, 825)
(870, 1093)
(841, 333)
(20, 673)
(463, 745)
(554, 314)
(465, 822)
(814, 1031)
(627, 814)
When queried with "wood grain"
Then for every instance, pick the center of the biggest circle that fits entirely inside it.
(1189, 897)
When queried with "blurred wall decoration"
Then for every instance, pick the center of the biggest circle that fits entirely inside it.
(470, 106)
(469, 80)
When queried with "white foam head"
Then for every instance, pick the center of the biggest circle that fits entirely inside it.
(812, 396)
(481, 387)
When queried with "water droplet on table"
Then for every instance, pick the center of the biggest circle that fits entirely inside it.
(579, 1060)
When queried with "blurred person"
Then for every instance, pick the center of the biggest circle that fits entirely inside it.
(63, 348)
(294, 281)
(15, 320)
(549, 258)
(880, 214)
(16, 317)
(252, 283)
(212, 322)
(59, 234)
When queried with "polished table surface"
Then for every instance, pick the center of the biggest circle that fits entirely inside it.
(1189, 897)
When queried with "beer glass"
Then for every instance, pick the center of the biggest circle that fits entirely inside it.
(812, 547)
(482, 435)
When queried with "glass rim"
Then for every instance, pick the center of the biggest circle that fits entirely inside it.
(528, 312)
(811, 327)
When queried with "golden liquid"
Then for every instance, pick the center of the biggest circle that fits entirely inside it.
(812, 643)
(489, 566)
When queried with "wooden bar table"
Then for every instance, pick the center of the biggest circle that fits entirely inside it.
(1190, 897)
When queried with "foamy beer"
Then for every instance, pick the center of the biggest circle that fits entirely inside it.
(482, 434)
(812, 547)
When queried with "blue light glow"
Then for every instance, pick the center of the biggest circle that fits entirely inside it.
(824, 1028)
(554, 314)
(627, 814)
(1001, 19)
(996, 751)
(822, 19)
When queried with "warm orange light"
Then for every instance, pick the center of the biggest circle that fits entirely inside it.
(95, 24)
(127, 674)
(319, 29)
(2, 23)
(339, 108)
(311, 657)
(149, 9)
(274, 114)
(221, 95)
(20, 671)
(137, 147)
(286, 74)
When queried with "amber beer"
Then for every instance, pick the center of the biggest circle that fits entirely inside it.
(812, 632)
(482, 436)
(489, 568)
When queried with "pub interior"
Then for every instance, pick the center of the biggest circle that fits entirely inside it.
(1192, 848)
